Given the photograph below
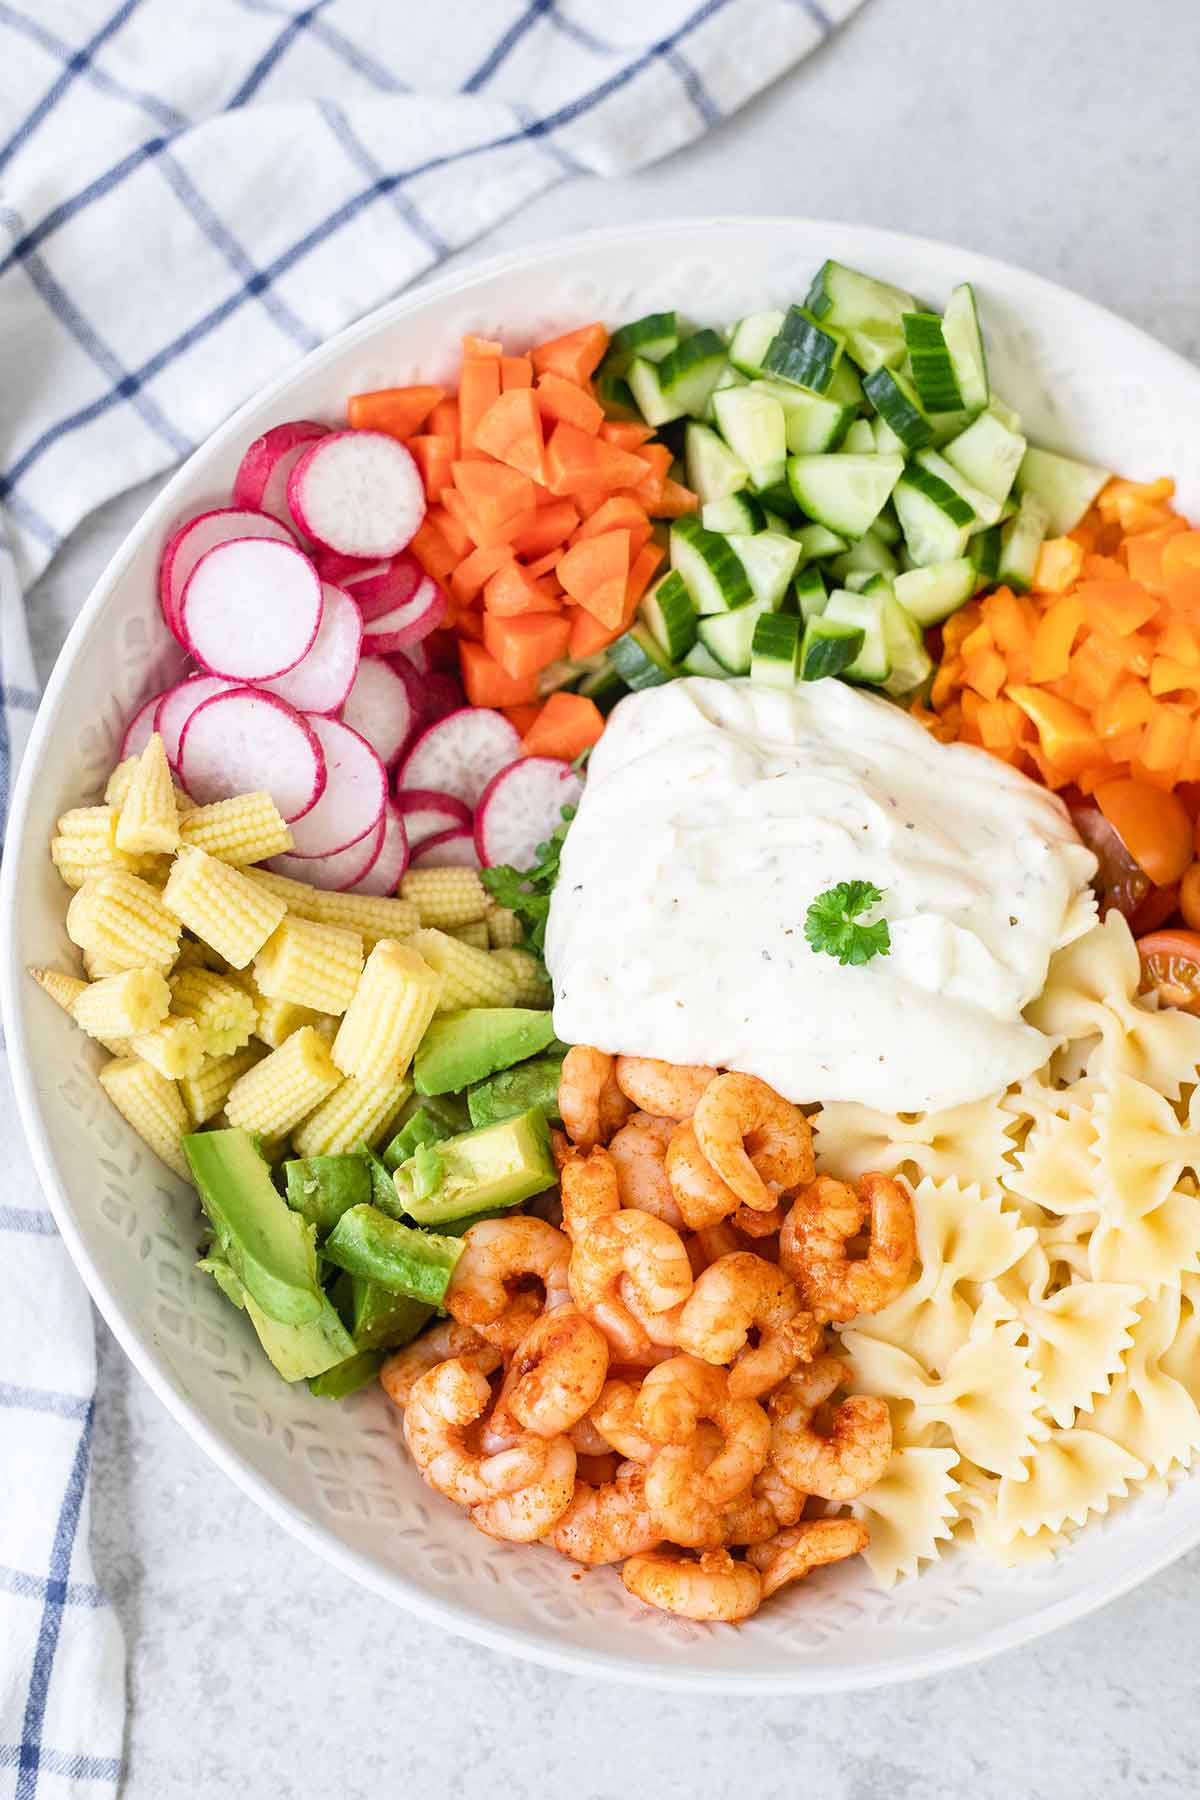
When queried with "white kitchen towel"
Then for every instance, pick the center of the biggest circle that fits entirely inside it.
(193, 193)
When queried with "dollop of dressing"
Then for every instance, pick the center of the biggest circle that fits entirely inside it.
(716, 811)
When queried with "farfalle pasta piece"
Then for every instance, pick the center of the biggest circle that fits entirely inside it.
(908, 1512)
(1077, 1338)
(976, 1506)
(1140, 1149)
(1181, 1359)
(967, 1143)
(1154, 1251)
(1071, 1475)
(1146, 1410)
(1055, 1169)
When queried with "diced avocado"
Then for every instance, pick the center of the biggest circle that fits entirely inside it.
(377, 1318)
(417, 1263)
(321, 1188)
(497, 1166)
(512, 1091)
(383, 1187)
(297, 1351)
(347, 1377)
(467, 1046)
(271, 1249)
(420, 1129)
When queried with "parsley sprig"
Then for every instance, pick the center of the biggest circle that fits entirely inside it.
(527, 891)
(832, 926)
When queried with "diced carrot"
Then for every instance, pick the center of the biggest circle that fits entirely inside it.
(574, 355)
(593, 499)
(676, 500)
(522, 718)
(594, 573)
(457, 507)
(545, 564)
(551, 527)
(433, 455)
(566, 726)
(1058, 565)
(496, 495)
(469, 624)
(433, 552)
(641, 573)
(399, 411)
(525, 644)
(511, 431)
(488, 348)
(444, 421)
(561, 399)
(478, 389)
(657, 458)
(467, 581)
(515, 372)
(486, 683)
(576, 463)
(588, 635)
(1054, 639)
(618, 512)
(512, 589)
(626, 434)
(452, 529)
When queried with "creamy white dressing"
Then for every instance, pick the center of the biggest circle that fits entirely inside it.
(716, 811)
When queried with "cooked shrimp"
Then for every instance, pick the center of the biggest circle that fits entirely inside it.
(687, 1485)
(588, 1439)
(490, 1288)
(736, 1295)
(638, 1151)
(711, 1588)
(650, 1254)
(785, 1501)
(812, 1245)
(555, 1375)
(792, 1554)
(437, 1345)
(596, 1471)
(614, 1416)
(749, 1518)
(530, 1512)
(605, 1524)
(669, 1089)
(703, 1199)
(590, 1103)
(837, 1463)
(758, 1142)
(442, 1405)
(716, 1241)
(589, 1189)
(758, 1224)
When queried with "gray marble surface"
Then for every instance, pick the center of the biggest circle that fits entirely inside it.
(1059, 134)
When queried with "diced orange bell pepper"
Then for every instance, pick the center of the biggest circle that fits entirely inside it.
(1065, 732)
(1054, 639)
(1058, 565)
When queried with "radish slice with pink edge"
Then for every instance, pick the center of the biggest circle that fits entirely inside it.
(408, 623)
(414, 687)
(429, 814)
(441, 695)
(246, 742)
(379, 708)
(382, 586)
(521, 807)
(324, 676)
(357, 492)
(383, 877)
(195, 538)
(460, 753)
(355, 792)
(141, 727)
(263, 473)
(417, 655)
(448, 850)
(179, 703)
(251, 609)
(339, 871)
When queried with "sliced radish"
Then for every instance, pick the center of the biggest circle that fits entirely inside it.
(195, 538)
(354, 797)
(343, 569)
(407, 623)
(246, 742)
(521, 807)
(383, 877)
(417, 655)
(357, 492)
(324, 676)
(141, 728)
(251, 609)
(428, 814)
(178, 704)
(448, 850)
(379, 709)
(341, 870)
(263, 473)
(440, 696)
(379, 587)
(460, 754)
(414, 686)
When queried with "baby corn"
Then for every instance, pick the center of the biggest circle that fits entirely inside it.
(475, 934)
(246, 829)
(223, 1012)
(504, 928)
(388, 1016)
(122, 919)
(373, 915)
(64, 989)
(148, 820)
(123, 1005)
(533, 983)
(277, 1019)
(221, 906)
(205, 1092)
(151, 1104)
(312, 965)
(174, 1048)
(446, 897)
(284, 1088)
(356, 1113)
(471, 977)
(86, 844)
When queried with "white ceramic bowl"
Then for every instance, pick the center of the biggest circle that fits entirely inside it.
(334, 1474)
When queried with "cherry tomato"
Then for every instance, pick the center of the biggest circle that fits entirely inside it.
(1171, 967)
(1155, 909)
(1189, 897)
(1120, 883)
(1152, 824)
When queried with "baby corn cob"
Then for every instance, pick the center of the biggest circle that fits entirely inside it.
(86, 844)
(246, 829)
(123, 1005)
(64, 989)
(148, 820)
(223, 1012)
(191, 956)
(96, 967)
(388, 1015)
(151, 1104)
(122, 919)
(311, 965)
(375, 916)
(356, 1113)
(446, 897)
(278, 1092)
(475, 934)
(533, 983)
(277, 1019)
(174, 1048)
(471, 977)
(120, 781)
(221, 906)
(205, 1093)
(504, 928)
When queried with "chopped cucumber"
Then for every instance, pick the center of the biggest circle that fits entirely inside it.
(931, 363)
(910, 661)
(984, 552)
(985, 509)
(770, 559)
(652, 337)
(809, 592)
(639, 661)
(948, 425)
(844, 493)
(775, 649)
(729, 377)
(934, 517)
(604, 686)
(811, 422)
(736, 512)
(678, 386)
(779, 500)
(1065, 487)
(714, 574)
(887, 527)
(900, 407)
(886, 441)
(829, 648)
(862, 612)
(752, 424)
(713, 472)
(804, 351)
(870, 311)
(931, 594)
(670, 616)
(615, 395)
(870, 553)
(1020, 541)
(846, 386)
(859, 440)
(882, 347)
(964, 341)
(987, 454)
(730, 636)
(701, 661)
(752, 338)
(773, 521)
(817, 541)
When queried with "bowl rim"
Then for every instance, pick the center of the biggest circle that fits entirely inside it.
(394, 1586)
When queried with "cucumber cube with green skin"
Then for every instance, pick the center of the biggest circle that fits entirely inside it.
(737, 512)
(270, 1249)
(407, 1261)
(897, 402)
(930, 361)
(377, 1318)
(347, 1377)
(828, 648)
(987, 454)
(714, 574)
(639, 660)
(1066, 488)
(810, 593)
(711, 468)
(420, 1129)
(679, 386)
(652, 337)
(804, 352)
(701, 662)
(615, 396)
(513, 1091)
(770, 559)
(964, 340)
(322, 1188)
(843, 493)
(775, 650)
(670, 616)
(464, 1047)
(496, 1166)
(848, 298)
(296, 1351)
(859, 440)
(752, 338)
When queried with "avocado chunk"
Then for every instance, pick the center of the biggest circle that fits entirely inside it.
(297, 1351)
(383, 1188)
(512, 1091)
(347, 1377)
(322, 1188)
(378, 1319)
(417, 1263)
(420, 1129)
(468, 1046)
(270, 1249)
(497, 1166)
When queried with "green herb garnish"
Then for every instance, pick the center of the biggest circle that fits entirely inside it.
(527, 891)
(832, 926)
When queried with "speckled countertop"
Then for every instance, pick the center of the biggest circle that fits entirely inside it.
(1060, 134)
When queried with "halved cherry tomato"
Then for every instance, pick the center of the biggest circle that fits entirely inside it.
(1119, 882)
(1189, 897)
(1153, 825)
(1155, 909)
(1171, 968)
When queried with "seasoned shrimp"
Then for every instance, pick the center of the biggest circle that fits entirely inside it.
(596, 1471)
(688, 1486)
(812, 1245)
(588, 1439)
(589, 1189)
(499, 1280)
(638, 1151)
(614, 1416)
(437, 1345)
(590, 1103)
(794, 1553)
(650, 1254)
(442, 1406)
(837, 1463)
(530, 1512)
(555, 1375)
(605, 1524)
(736, 1295)
(758, 1224)
(712, 1588)
(714, 1242)
(669, 1089)
(758, 1142)
(703, 1199)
